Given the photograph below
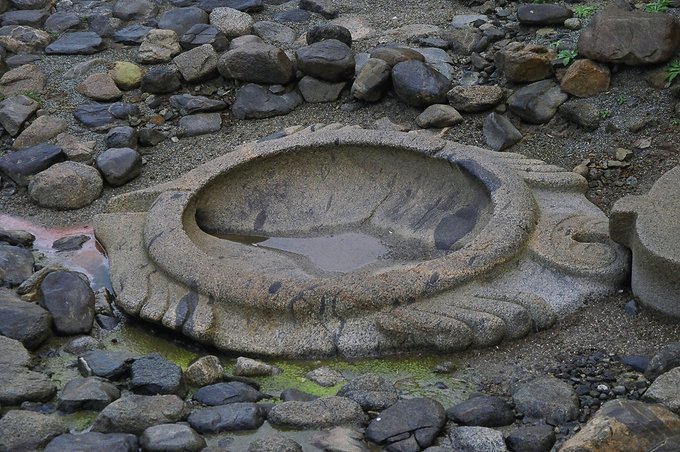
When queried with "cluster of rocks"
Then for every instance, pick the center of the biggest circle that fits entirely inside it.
(212, 47)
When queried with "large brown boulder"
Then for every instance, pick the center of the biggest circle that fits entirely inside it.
(630, 37)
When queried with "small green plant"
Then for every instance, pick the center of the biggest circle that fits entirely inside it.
(584, 12)
(567, 56)
(658, 6)
(675, 122)
(621, 99)
(604, 114)
(672, 71)
(555, 45)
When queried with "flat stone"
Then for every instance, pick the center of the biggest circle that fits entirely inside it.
(22, 385)
(585, 78)
(227, 393)
(248, 367)
(531, 438)
(314, 90)
(19, 165)
(180, 20)
(372, 81)
(547, 398)
(28, 430)
(136, 413)
(102, 117)
(16, 237)
(467, 20)
(227, 418)
(638, 222)
(625, 425)
(32, 18)
(65, 186)
(86, 442)
(70, 243)
(542, 14)
(76, 43)
(131, 35)
(152, 374)
(13, 352)
(197, 64)
(418, 85)
(439, 116)
(666, 390)
(473, 439)
(292, 394)
(537, 103)
(395, 55)
(134, 9)
(325, 376)
(201, 34)
(42, 130)
(199, 124)
(188, 104)
(254, 101)
(521, 63)
(100, 87)
(615, 35)
(62, 21)
(410, 423)
(105, 364)
(232, 23)
(15, 111)
(499, 132)
(257, 63)
(329, 60)
(320, 413)
(167, 437)
(22, 79)
(70, 300)
(90, 393)
(292, 16)
(476, 98)
(159, 46)
(26, 322)
(161, 80)
(372, 392)
(482, 411)
(23, 39)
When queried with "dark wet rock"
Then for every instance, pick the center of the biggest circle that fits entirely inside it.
(474, 439)
(665, 390)
(76, 43)
(410, 424)
(152, 374)
(121, 137)
(188, 104)
(254, 101)
(246, 6)
(199, 124)
(136, 413)
(31, 17)
(106, 322)
(25, 77)
(204, 371)
(667, 359)
(134, 9)
(537, 103)
(396, 55)
(582, 113)
(257, 63)
(197, 64)
(320, 413)
(327, 8)
(19, 165)
(292, 16)
(102, 117)
(70, 300)
(227, 418)
(542, 14)
(522, 63)
(90, 393)
(201, 34)
(161, 80)
(171, 437)
(87, 442)
(119, 165)
(372, 392)
(329, 60)
(149, 136)
(626, 425)
(30, 4)
(373, 80)
(274, 443)
(293, 394)
(499, 132)
(16, 237)
(418, 85)
(438, 116)
(482, 411)
(547, 398)
(315, 90)
(131, 35)
(105, 364)
(23, 39)
(101, 23)
(180, 20)
(531, 438)
(28, 430)
(274, 32)
(615, 35)
(231, 22)
(475, 98)
(99, 87)
(16, 266)
(226, 393)
(26, 322)
(324, 31)
(65, 186)
(14, 111)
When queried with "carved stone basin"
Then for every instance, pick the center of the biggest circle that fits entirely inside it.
(359, 243)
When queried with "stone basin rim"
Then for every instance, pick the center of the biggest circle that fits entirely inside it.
(171, 234)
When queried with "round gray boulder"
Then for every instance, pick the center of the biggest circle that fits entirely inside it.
(66, 185)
